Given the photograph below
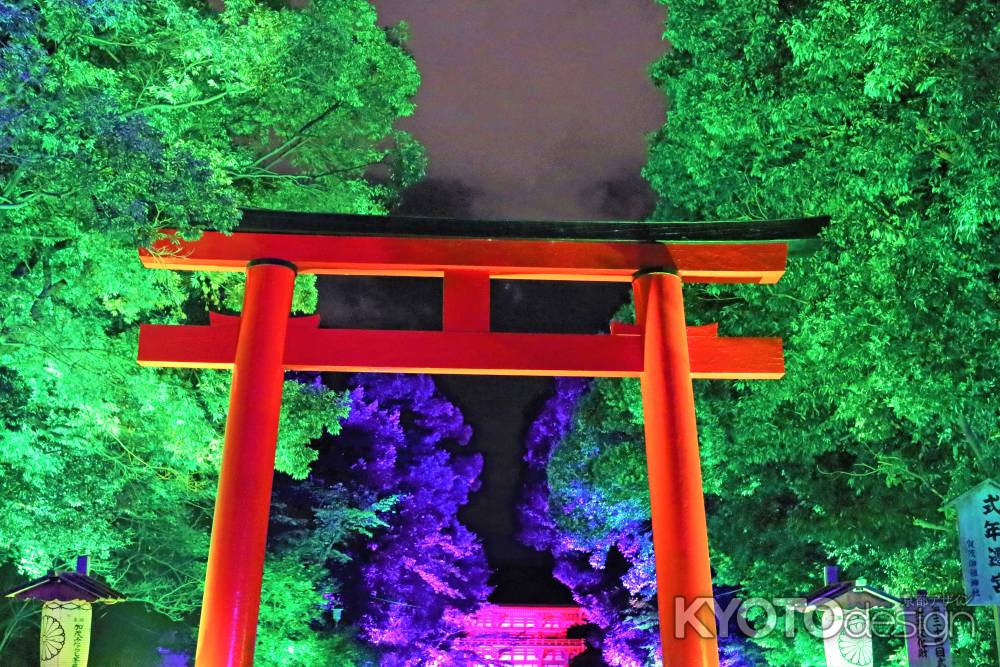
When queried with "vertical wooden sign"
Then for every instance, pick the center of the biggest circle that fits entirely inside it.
(927, 631)
(979, 542)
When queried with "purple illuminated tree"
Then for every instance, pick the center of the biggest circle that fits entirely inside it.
(408, 585)
(617, 603)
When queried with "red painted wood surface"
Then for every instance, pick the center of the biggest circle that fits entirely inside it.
(228, 629)
(466, 301)
(458, 353)
(431, 257)
(677, 503)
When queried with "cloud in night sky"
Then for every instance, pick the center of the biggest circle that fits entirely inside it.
(444, 197)
(625, 196)
(535, 106)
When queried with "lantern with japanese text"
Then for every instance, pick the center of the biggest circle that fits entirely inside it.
(846, 608)
(67, 598)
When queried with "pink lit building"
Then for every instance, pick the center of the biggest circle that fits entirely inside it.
(528, 635)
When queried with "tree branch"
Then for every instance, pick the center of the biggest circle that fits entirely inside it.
(920, 523)
(47, 289)
(975, 443)
(264, 174)
(14, 625)
(193, 103)
(288, 145)
(29, 196)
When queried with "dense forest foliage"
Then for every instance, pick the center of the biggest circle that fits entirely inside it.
(118, 118)
(883, 115)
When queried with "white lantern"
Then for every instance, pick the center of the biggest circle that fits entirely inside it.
(65, 633)
(847, 638)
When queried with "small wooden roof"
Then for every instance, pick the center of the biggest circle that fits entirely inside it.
(65, 585)
(855, 594)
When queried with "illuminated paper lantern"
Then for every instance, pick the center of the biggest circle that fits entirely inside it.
(848, 641)
(64, 640)
(66, 596)
(846, 609)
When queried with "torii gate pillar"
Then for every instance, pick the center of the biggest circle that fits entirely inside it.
(227, 633)
(673, 464)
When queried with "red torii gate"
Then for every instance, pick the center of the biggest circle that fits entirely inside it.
(264, 341)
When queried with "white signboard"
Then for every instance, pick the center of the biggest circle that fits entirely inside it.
(65, 634)
(926, 624)
(847, 638)
(979, 541)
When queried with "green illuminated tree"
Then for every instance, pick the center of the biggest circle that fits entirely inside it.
(311, 525)
(118, 118)
(883, 115)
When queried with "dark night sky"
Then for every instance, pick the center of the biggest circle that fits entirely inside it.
(531, 109)
(537, 105)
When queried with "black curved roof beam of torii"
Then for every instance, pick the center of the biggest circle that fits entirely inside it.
(346, 224)
(346, 244)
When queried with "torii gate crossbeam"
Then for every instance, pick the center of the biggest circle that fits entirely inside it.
(259, 345)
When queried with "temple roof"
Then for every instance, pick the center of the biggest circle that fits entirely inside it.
(523, 620)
